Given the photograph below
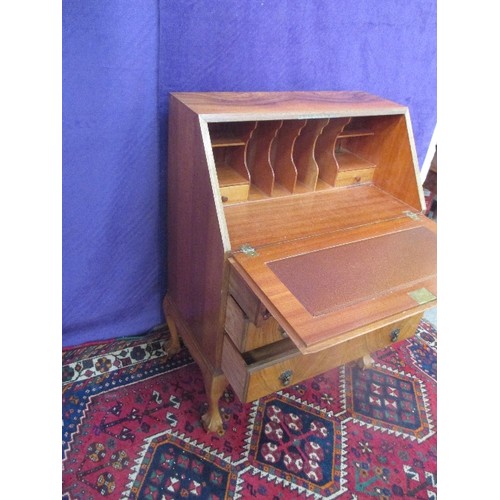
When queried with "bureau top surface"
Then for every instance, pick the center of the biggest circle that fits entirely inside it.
(227, 106)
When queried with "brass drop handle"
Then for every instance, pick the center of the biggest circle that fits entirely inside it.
(395, 335)
(286, 377)
(224, 199)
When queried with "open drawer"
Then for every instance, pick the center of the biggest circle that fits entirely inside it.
(274, 367)
(245, 334)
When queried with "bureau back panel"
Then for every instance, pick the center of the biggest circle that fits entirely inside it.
(331, 279)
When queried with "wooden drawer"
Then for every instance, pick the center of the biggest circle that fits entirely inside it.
(231, 194)
(352, 177)
(276, 366)
(244, 334)
(253, 308)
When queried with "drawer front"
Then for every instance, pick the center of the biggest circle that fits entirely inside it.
(237, 192)
(352, 177)
(244, 334)
(259, 373)
(254, 309)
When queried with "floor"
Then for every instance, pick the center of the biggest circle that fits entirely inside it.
(431, 316)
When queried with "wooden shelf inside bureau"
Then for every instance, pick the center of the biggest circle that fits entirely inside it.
(221, 142)
(227, 176)
(351, 161)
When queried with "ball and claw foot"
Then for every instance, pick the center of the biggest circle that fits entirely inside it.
(366, 362)
(212, 422)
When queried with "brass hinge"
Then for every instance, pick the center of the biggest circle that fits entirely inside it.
(249, 250)
(411, 215)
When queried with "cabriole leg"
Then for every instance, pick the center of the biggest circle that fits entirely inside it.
(214, 387)
(215, 382)
(173, 345)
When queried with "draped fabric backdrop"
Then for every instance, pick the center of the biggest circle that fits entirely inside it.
(121, 58)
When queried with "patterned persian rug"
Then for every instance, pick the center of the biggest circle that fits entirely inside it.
(131, 428)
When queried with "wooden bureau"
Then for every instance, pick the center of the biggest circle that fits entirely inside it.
(296, 235)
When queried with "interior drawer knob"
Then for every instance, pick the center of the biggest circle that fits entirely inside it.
(286, 377)
(265, 314)
(395, 334)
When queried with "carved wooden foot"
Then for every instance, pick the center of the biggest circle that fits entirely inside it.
(366, 362)
(214, 387)
(214, 380)
(173, 345)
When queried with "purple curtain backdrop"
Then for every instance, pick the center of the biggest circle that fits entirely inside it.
(120, 60)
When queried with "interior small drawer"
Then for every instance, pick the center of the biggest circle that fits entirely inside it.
(244, 334)
(353, 177)
(271, 368)
(231, 194)
(253, 308)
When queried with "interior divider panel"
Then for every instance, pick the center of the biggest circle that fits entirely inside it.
(285, 170)
(244, 131)
(324, 151)
(303, 154)
(259, 155)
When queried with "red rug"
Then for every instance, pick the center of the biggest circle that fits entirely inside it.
(131, 428)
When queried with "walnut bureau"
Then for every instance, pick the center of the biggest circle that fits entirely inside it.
(296, 235)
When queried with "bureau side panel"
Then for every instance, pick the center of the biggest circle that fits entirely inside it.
(397, 170)
(195, 264)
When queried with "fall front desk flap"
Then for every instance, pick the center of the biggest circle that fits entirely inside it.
(327, 288)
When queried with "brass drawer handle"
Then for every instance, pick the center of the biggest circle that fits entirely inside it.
(395, 334)
(286, 377)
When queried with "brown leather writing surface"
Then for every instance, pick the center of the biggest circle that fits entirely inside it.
(327, 280)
